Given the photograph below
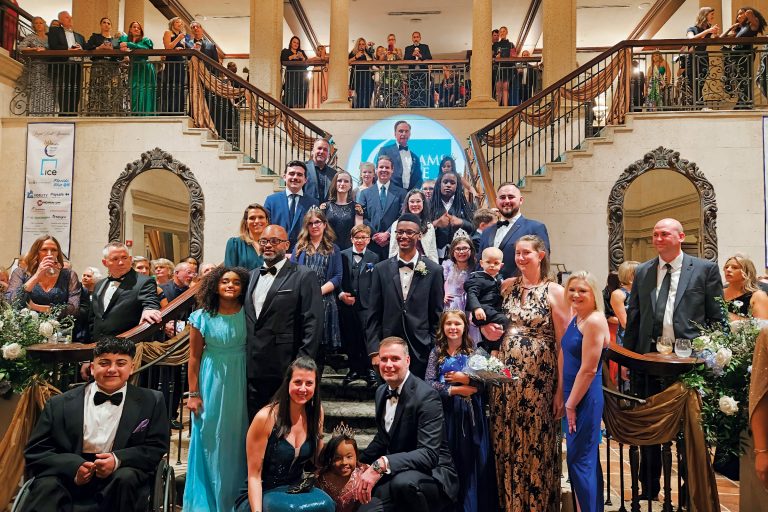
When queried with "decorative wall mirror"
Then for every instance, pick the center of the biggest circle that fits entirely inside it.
(658, 186)
(158, 204)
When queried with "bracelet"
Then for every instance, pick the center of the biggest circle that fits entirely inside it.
(760, 450)
(193, 394)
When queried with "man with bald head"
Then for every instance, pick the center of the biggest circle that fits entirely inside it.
(672, 295)
(284, 314)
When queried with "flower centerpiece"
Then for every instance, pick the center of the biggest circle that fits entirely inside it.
(722, 381)
(18, 330)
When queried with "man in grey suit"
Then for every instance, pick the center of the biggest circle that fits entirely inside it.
(406, 165)
(382, 203)
(319, 173)
(671, 295)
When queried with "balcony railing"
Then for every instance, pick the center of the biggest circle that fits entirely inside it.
(632, 76)
(144, 83)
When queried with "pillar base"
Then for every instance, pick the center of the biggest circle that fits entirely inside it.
(483, 102)
(335, 104)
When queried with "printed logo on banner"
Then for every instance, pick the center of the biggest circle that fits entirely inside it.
(48, 166)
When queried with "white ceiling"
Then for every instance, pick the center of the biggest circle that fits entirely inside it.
(599, 22)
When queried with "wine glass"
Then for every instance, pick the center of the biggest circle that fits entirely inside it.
(683, 347)
(664, 345)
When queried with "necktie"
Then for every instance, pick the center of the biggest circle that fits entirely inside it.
(99, 398)
(661, 302)
(401, 264)
(402, 148)
(292, 208)
(268, 270)
(502, 223)
(320, 185)
(383, 196)
(391, 393)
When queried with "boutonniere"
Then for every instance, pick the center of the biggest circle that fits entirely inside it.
(421, 268)
(369, 267)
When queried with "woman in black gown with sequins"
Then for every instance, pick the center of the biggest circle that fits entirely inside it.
(342, 213)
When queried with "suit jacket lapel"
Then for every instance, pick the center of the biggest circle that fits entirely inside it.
(414, 279)
(129, 419)
(652, 280)
(276, 284)
(396, 278)
(686, 271)
(404, 393)
(98, 296)
(511, 232)
(251, 311)
(115, 297)
(74, 417)
(381, 409)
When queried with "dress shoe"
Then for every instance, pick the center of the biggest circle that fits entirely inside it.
(352, 375)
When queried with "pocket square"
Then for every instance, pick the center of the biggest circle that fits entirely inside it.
(141, 427)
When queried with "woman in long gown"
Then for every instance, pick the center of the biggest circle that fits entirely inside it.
(283, 438)
(143, 76)
(173, 79)
(582, 347)
(217, 466)
(295, 84)
(244, 251)
(34, 76)
(466, 425)
(525, 427)
(342, 212)
(105, 96)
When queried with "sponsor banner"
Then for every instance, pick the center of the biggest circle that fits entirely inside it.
(48, 183)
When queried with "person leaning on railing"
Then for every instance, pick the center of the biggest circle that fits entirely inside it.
(173, 78)
(295, 83)
(749, 23)
(105, 94)
(66, 74)
(34, 77)
(143, 77)
(697, 63)
(360, 77)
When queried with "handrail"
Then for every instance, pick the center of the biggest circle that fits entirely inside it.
(176, 308)
(182, 341)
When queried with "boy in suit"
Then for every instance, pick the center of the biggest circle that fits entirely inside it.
(483, 289)
(358, 263)
(382, 203)
(100, 442)
(287, 208)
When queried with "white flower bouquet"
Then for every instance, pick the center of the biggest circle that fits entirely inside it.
(488, 369)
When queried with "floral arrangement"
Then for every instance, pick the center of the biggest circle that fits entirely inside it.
(18, 330)
(722, 380)
(487, 368)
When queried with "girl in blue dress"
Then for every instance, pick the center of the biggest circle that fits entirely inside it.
(465, 423)
(217, 465)
(582, 347)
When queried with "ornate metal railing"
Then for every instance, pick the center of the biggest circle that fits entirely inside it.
(15, 25)
(632, 76)
(166, 83)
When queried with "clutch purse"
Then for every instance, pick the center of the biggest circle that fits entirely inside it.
(308, 480)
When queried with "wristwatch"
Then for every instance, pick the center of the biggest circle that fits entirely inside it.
(193, 394)
(376, 466)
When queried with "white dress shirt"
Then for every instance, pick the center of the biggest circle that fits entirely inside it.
(391, 406)
(112, 287)
(407, 160)
(100, 421)
(263, 286)
(667, 328)
(502, 231)
(70, 35)
(406, 274)
(447, 205)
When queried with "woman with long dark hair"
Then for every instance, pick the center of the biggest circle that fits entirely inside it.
(740, 67)
(217, 383)
(295, 84)
(450, 209)
(283, 438)
(342, 211)
(415, 202)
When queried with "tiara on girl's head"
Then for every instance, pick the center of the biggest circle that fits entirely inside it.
(460, 233)
(342, 429)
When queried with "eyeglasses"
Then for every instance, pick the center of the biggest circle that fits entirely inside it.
(271, 241)
(406, 232)
(462, 249)
(315, 223)
(361, 238)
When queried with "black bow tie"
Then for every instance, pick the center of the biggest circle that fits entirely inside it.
(99, 398)
(391, 393)
(116, 279)
(401, 264)
(402, 148)
(268, 270)
(361, 254)
(502, 223)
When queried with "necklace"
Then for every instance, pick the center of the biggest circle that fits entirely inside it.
(530, 287)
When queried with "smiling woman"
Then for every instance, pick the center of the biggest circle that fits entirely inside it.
(243, 251)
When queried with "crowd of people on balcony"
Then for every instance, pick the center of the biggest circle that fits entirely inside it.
(400, 281)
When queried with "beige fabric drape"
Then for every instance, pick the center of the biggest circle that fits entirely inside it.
(658, 421)
(15, 439)
(148, 351)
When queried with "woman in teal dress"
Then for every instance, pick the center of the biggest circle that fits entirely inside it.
(217, 465)
(283, 441)
(143, 76)
(582, 347)
(243, 251)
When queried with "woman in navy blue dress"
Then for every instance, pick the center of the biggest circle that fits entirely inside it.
(582, 347)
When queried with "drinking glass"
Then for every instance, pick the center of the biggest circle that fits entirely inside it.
(664, 345)
(683, 347)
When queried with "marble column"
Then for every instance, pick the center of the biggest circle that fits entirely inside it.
(481, 63)
(338, 59)
(266, 44)
(133, 11)
(86, 15)
(559, 46)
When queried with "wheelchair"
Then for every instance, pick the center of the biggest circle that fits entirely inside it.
(162, 493)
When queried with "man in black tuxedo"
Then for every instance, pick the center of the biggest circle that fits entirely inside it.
(382, 203)
(418, 81)
(671, 295)
(355, 302)
(406, 298)
(98, 443)
(510, 227)
(411, 468)
(319, 173)
(66, 74)
(284, 314)
(406, 165)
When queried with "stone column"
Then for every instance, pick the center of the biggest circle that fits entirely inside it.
(338, 59)
(86, 15)
(481, 64)
(134, 11)
(559, 47)
(266, 44)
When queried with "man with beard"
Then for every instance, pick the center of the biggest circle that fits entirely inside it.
(319, 173)
(284, 314)
(510, 227)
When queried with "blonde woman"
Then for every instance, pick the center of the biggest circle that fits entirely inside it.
(163, 270)
(173, 79)
(361, 76)
(742, 294)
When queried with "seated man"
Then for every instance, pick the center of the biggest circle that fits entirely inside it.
(97, 444)
(410, 462)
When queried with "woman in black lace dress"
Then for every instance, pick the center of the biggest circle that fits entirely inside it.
(742, 294)
(342, 213)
